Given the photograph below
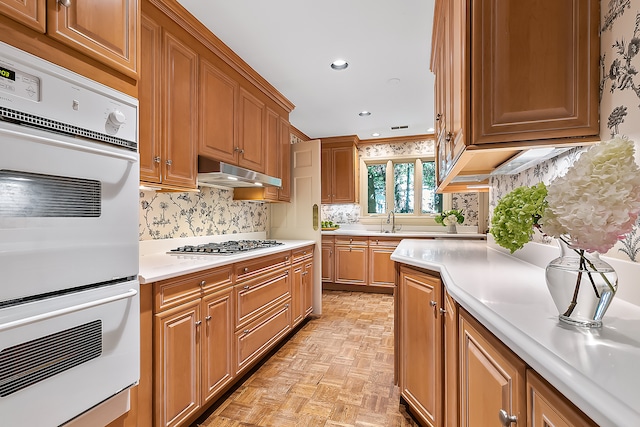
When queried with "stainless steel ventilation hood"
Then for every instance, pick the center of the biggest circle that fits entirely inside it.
(220, 174)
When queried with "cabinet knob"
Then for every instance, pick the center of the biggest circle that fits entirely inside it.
(207, 318)
(246, 331)
(65, 3)
(202, 283)
(286, 306)
(438, 117)
(156, 159)
(246, 287)
(241, 151)
(168, 162)
(237, 149)
(443, 311)
(448, 137)
(286, 258)
(199, 322)
(505, 419)
(433, 303)
(246, 269)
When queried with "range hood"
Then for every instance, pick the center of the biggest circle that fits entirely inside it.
(220, 174)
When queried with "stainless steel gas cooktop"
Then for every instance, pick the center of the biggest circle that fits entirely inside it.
(224, 248)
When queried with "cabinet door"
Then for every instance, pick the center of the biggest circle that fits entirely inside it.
(180, 100)
(32, 13)
(284, 194)
(534, 69)
(491, 377)
(307, 285)
(251, 132)
(382, 270)
(351, 264)
(326, 172)
(177, 364)
(149, 110)
(272, 152)
(548, 408)
(217, 343)
(297, 294)
(343, 178)
(105, 30)
(451, 361)
(420, 342)
(327, 262)
(218, 98)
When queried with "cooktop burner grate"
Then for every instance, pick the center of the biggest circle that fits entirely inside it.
(225, 248)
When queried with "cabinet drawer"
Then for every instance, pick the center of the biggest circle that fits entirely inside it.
(383, 241)
(172, 292)
(247, 269)
(301, 254)
(257, 338)
(257, 296)
(352, 240)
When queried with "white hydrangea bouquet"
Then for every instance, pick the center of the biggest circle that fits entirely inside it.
(450, 217)
(591, 207)
(594, 205)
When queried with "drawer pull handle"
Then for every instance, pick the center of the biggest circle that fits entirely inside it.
(433, 303)
(246, 287)
(505, 419)
(207, 318)
(203, 283)
(286, 258)
(199, 322)
(286, 306)
(246, 331)
(246, 269)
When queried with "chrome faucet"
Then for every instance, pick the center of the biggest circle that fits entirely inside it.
(392, 216)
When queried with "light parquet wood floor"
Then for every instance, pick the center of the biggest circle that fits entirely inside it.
(336, 371)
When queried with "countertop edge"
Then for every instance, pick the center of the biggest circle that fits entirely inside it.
(572, 383)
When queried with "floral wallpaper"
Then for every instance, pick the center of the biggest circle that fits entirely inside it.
(209, 212)
(350, 213)
(619, 110)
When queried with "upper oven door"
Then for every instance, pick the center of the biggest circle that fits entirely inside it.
(68, 212)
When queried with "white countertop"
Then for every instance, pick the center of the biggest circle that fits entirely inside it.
(156, 264)
(597, 369)
(405, 234)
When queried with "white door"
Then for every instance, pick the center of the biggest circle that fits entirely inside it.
(300, 219)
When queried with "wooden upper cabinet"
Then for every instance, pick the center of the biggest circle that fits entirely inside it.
(251, 132)
(339, 170)
(272, 153)
(217, 109)
(149, 109)
(284, 193)
(105, 30)
(534, 69)
(180, 96)
(492, 378)
(32, 13)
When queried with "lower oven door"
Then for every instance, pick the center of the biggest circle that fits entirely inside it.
(62, 356)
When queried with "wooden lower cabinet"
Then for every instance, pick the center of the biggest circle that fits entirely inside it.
(451, 408)
(421, 377)
(351, 260)
(302, 285)
(492, 378)
(328, 259)
(381, 268)
(548, 408)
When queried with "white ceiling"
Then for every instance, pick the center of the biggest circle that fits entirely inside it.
(292, 43)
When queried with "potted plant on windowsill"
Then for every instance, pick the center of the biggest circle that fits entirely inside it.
(450, 219)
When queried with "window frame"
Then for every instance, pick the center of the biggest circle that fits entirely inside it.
(415, 218)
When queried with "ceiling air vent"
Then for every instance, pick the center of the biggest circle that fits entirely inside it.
(399, 127)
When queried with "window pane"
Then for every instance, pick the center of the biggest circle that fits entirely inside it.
(431, 202)
(403, 174)
(376, 188)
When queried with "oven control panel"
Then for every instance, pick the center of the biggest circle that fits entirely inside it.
(19, 83)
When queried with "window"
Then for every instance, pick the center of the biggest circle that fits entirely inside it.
(391, 185)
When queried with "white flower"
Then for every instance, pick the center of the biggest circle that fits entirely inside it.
(598, 200)
(450, 220)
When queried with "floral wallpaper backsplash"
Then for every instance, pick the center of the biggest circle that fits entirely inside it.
(619, 110)
(208, 212)
(350, 213)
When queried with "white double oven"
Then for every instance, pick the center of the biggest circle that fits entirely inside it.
(69, 303)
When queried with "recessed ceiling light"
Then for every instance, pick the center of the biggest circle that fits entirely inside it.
(394, 81)
(339, 64)
(364, 113)
(375, 134)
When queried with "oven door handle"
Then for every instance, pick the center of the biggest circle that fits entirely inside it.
(27, 320)
(124, 155)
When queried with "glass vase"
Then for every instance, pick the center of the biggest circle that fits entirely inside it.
(581, 285)
(452, 229)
